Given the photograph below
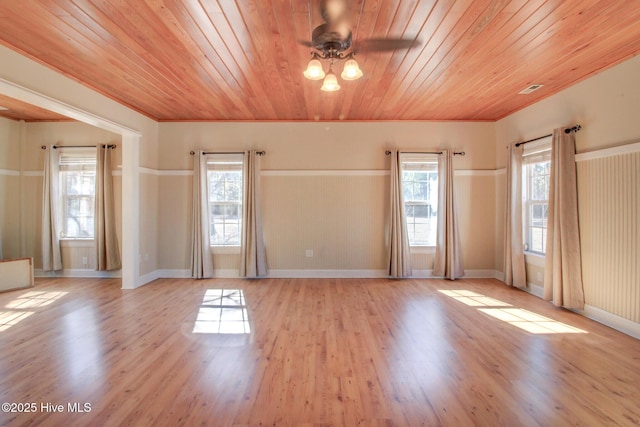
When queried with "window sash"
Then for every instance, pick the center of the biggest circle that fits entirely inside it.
(420, 197)
(225, 196)
(536, 170)
(77, 183)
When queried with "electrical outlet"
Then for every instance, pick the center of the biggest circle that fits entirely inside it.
(85, 261)
(539, 277)
(309, 253)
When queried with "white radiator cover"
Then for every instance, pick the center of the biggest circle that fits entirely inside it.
(16, 274)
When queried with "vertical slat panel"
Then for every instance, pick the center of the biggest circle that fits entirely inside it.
(609, 200)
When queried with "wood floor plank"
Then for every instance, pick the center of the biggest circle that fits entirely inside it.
(320, 352)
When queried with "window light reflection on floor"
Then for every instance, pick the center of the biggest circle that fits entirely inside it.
(35, 299)
(16, 309)
(10, 318)
(523, 319)
(223, 311)
(474, 299)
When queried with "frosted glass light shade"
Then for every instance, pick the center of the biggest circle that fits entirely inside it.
(351, 70)
(314, 70)
(330, 83)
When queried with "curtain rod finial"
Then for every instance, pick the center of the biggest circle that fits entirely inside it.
(575, 128)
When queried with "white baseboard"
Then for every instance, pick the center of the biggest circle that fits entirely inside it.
(421, 274)
(319, 274)
(225, 274)
(182, 274)
(174, 274)
(468, 274)
(616, 322)
(536, 290)
(77, 272)
(147, 278)
(611, 320)
(480, 274)
(316, 274)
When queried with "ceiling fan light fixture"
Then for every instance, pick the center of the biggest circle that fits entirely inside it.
(351, 70)
(314, 70)
(330, 83)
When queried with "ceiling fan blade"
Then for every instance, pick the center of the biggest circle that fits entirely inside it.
(385, 45)
(333, 10)
(305, 43)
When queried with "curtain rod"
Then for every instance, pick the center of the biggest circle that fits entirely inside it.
(457, 153)
(575, 128)
(259, 153)
(111, 146)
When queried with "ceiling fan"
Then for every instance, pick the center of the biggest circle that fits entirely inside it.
(333, 40)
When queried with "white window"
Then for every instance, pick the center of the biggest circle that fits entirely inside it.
(77, 192)
(224, 173)
(420, 195)
(535, 194)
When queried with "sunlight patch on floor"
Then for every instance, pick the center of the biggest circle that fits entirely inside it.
(16, 310)
(10, 318)
(474, 299)
(518, 317)
(34, 299)
(531, 322)
(223, 311)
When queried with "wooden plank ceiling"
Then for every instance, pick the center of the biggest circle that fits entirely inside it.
(239, 60)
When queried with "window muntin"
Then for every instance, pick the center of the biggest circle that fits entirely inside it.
(420, 197)
(536, 171)
(225, 187)
(77, 183)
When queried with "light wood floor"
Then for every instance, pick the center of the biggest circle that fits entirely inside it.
(325, 352)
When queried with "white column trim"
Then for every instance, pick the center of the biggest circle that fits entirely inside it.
(130, 211)
(608, 152)
(43, 101)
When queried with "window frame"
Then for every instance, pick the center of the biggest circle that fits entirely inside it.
(82, 161)
(222, 162)
(534, 153)
(427, 163)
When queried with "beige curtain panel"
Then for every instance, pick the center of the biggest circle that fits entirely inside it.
(201, 262)
(253, 262)
(448, 258)
(563, 266)
(399, 254)
(514, 265)
(51, 256)
(107, 250)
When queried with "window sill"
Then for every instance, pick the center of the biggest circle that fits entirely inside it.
(225, 250)
(534, 259)
(77, 243)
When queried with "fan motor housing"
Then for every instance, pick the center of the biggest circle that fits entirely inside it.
(327, 39)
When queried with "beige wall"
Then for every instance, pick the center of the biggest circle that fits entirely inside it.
(148, 257)
(10, 144)
(325, 188)
(28, 223)
(10, 132)
(607, 107)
